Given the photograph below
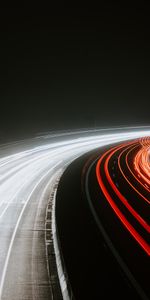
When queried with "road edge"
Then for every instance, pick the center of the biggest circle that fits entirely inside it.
(62, 274)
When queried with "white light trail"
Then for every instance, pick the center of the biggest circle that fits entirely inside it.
(23, 177)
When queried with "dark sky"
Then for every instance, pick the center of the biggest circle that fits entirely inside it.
(72, 68)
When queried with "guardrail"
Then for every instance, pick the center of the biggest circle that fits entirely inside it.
(62, 273)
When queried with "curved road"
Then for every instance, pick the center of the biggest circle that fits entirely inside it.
(28, 171)
(103, 222)
(123, 176)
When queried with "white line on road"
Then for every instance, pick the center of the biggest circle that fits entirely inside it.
(16, 227)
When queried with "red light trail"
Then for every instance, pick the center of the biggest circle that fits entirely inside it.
(131, 217)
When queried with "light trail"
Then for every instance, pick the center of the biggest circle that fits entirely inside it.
(134, 173)
(23, 177)
(131, 148)
(141, 163)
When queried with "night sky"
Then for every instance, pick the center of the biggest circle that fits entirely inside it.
(70, 68)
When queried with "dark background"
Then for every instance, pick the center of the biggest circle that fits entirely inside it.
(74, 67)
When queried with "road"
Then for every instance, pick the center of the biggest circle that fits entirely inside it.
(106, 249)
(28, 171)
(124, 178)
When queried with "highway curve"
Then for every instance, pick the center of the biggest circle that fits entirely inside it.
(102, 217)
(29, 170)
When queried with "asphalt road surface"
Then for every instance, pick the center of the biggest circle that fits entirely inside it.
(103, 222)
(28, 171)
